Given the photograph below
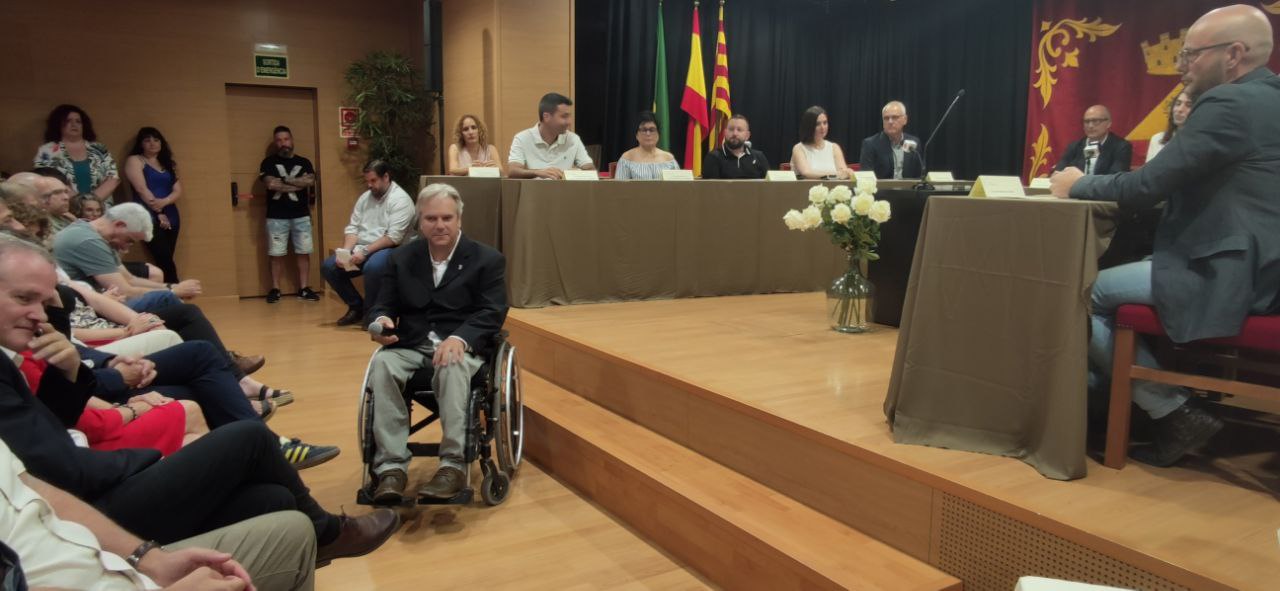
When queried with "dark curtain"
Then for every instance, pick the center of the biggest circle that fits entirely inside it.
(849, 56)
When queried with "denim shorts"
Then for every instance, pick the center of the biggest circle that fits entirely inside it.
(279, 231)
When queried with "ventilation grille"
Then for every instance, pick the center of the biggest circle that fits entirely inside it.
(989, 551)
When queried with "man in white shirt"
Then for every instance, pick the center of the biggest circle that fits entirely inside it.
(547, 149)
(378, 224)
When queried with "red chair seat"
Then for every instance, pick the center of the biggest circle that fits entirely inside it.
(1259, 332)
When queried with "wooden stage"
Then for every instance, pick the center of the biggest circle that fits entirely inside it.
(759, 385)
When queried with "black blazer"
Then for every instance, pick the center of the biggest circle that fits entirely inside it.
(877, 155)
(1116, 155)
(470, 302)
(36, 431)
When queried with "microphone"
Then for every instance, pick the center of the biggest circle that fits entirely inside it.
(1091, 149)
(924, 169)
(908, 145)
(378, 330)
(747, 144)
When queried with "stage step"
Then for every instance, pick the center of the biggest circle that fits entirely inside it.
(734, 530)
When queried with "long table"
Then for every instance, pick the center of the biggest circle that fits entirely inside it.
(992, 347)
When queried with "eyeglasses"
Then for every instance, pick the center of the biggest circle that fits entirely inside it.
(648, 130)
(892, 117)
(1098, 121)
(1190, 54)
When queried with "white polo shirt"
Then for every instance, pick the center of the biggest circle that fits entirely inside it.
(529, 149)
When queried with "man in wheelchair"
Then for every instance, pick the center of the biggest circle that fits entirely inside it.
(442, 301)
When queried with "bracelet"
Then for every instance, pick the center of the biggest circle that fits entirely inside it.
(133, 414)
(141, 551)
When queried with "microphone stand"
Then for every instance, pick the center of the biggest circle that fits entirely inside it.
(924, 169)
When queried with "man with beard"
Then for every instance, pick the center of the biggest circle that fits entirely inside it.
(378, 224)
(288, 178)
(1217, 251)
(734, 159)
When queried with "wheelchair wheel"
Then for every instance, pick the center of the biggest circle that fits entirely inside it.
(364, 432)
(495, 487)
(509, 410)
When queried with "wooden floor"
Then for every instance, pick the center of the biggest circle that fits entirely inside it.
(1215, 516)
(544, 537)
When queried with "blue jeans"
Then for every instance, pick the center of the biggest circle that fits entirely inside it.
(340, 280)
(153, 300)
(1127, 284)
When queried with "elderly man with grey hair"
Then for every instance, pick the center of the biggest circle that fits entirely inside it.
(892, 153)
(442, 301)
(88, 251)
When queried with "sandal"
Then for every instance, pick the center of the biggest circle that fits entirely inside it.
(279, 397)
(265, 409)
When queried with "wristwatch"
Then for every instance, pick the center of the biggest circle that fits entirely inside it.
(142, 549)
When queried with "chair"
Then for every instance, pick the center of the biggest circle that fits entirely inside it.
(784, 166)
(613, 169)
(495, 411)
(1260, 333)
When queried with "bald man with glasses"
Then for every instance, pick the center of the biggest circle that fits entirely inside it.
(1099, 151)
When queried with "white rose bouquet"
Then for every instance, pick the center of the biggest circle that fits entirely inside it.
(852, 220)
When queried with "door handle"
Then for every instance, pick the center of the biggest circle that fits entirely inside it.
(235, 194)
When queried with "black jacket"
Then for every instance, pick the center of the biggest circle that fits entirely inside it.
(877, 155)
(470, 302)
(1116, 155)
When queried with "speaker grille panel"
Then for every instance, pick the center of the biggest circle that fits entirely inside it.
(989, 551)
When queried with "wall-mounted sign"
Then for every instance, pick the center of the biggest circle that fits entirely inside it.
(347, 117)
(270, 66)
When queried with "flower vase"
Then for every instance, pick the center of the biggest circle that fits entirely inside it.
(850, 299)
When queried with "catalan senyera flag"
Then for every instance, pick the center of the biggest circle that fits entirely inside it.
(720, 109)
(694, 102)
(661, 110)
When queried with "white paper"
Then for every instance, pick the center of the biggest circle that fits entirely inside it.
(780, 175)
(342, 257)
(865, 176)
(678, 174)
(1039, 183)
(998, 186)
(484, 172)
(581, 175)
(940, 176)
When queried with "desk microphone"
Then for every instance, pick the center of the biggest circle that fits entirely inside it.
(924, 169)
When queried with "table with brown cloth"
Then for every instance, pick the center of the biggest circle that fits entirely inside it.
(992, 350)
(570, 242)
(482, 213)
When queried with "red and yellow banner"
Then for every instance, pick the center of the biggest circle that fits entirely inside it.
(1119, 54)
(720, 109)
(695, 102)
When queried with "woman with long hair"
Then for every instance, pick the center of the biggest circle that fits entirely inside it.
(71, 146)
(154, 176)
(471, 147)
(1178, 112)
(814, 157)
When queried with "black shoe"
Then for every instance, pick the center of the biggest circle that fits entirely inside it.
(352, 316)
(273, 296)
(308, 294)
(1176, 434)
(304, 455)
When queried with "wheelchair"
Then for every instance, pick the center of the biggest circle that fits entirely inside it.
(494, 434)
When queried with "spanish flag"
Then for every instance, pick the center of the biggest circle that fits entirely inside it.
(720, 110)
(694, 102)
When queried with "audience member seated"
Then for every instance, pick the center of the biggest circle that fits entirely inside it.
(547, 149)
(1216, 248)
(1178, 112)
(233, 473)
(153, 174)
(52, 540)
(448, 319)
(1099, 151)
(55, 198)
(72, 147)
(893, 153)
(645, 161)
(20, 188)
(814, 157)
(379, 221)
(471, 147)
(87, 251)
(735, 159)
(32, 220)
(90, 209)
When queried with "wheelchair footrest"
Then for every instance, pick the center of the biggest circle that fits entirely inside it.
(463, 497)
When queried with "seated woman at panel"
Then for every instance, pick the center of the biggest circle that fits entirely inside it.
(815, 157)
(471, 147)
(1178, 113)
(645, 161)
(154, 175)
(71, 146)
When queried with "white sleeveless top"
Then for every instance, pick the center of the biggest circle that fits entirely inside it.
(821, 160)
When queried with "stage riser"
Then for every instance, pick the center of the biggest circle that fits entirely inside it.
(833, 477)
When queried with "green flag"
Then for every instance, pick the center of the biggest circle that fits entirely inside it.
(660, 94)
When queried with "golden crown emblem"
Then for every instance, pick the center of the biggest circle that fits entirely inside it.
(1162, 58)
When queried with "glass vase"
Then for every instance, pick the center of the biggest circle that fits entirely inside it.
(850, 299)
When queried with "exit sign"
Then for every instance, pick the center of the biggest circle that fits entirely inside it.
(270, 66)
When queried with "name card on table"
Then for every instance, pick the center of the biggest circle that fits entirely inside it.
(1039, 183)
(679, 174)
(780, 175)
(484, 172)
(581, 175)
(864, 178)
(939, 177)
(997, 186)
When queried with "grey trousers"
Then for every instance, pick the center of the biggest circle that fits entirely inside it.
(278, 549)
(388, 372)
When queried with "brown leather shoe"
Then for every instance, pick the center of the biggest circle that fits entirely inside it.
(445, 484)
(358, 536)
(390, 489)
(248, 364)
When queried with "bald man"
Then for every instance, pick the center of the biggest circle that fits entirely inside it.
(1217, 248)
(1099, 151)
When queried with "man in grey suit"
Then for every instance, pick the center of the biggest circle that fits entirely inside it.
(1217, 248)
